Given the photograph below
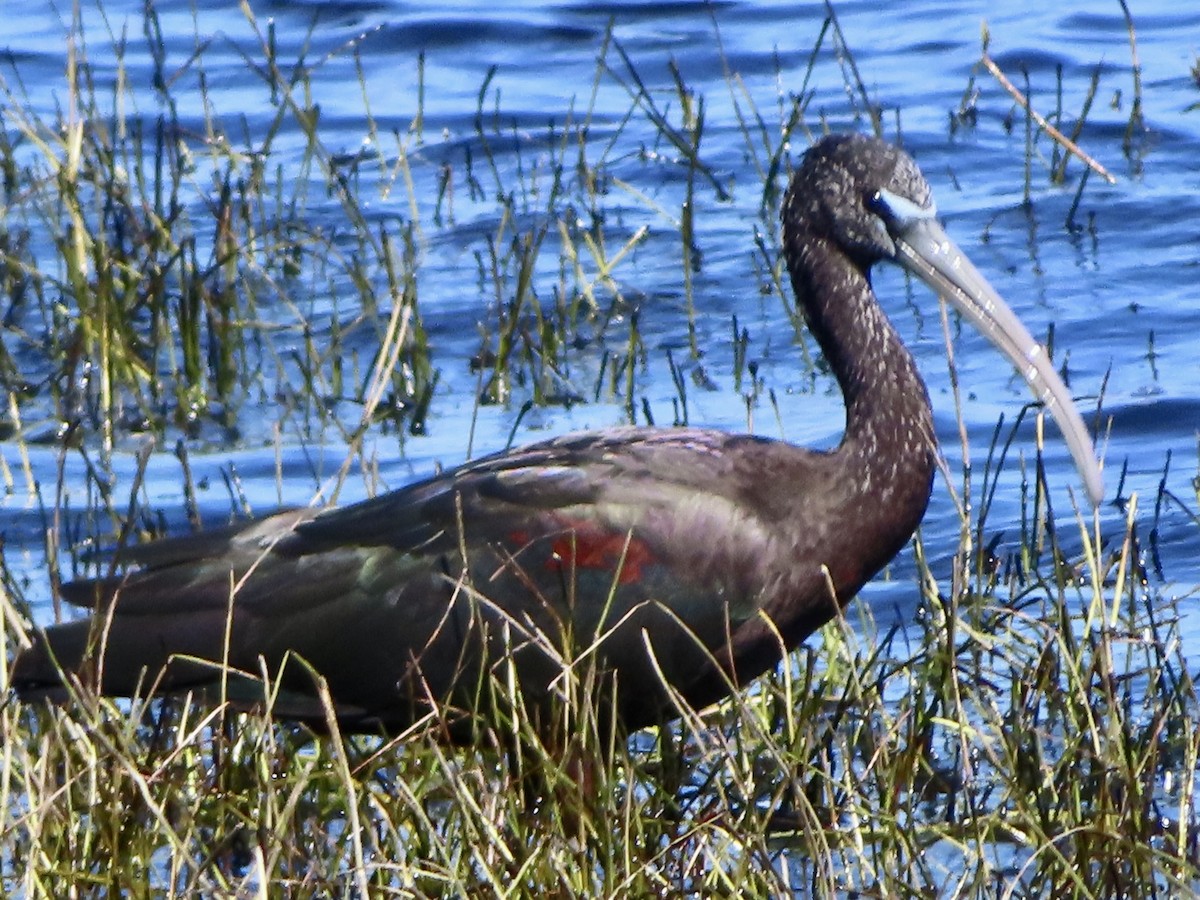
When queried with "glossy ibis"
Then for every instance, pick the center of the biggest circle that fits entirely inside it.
(674, 556)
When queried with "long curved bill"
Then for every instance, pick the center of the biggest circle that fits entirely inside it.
(925, 250)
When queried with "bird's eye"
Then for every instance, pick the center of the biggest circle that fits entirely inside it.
(881, 204)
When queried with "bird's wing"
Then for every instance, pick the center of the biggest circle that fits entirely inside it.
(592, 470)
(609, 480)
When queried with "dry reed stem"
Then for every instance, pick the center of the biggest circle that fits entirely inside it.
(1065, 142)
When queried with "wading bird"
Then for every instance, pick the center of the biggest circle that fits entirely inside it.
(680, 562)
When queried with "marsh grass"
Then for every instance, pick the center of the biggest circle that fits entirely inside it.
(1032, 733)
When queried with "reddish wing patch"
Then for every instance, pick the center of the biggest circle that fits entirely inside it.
(583, 545)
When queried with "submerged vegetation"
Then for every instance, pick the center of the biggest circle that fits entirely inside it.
(214, 284)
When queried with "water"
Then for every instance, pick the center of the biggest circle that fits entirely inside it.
(1120, 294)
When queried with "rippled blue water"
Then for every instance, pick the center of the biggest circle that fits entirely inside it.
(1120, 295)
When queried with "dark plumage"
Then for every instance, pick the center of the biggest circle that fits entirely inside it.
(684, 556)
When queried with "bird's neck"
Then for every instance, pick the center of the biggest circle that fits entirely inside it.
(888, 450)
